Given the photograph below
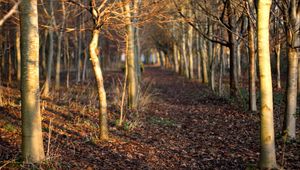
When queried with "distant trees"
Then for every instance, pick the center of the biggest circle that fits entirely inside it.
(32, 140)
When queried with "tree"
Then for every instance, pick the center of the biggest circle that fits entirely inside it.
(292, 17)
(267, 138)
(97, 13)
(251, 41)
(32, 140)
(47, 83)
(131, 61)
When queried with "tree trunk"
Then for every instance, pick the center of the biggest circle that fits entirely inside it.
(44, 63)
(233, 52)
(252, 87)
(32, 139)
(184, 52)
(79, 62)
(190, 52)
(175, 55)
(213, 67)
(204, 60)
(100, 85)
(221, 71)
(277, 53)
(67, 53)
(199, 70)
(18, 55)
(50, 55)
(267, 138)
(58, 55)
(58, 61)
(293, 17)
(132, 71)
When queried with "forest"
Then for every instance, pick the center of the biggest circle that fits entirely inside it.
(149, 84)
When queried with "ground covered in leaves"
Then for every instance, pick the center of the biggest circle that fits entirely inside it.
(180, 124)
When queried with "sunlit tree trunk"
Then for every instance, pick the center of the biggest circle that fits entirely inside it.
(190, 50)
(267, 138)
(252, 87)
(132, 71)
(100, 84)
(18, 55)
(204, 60)
(32, 139)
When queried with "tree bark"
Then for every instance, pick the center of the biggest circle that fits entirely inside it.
(267, 138)
(32, 139)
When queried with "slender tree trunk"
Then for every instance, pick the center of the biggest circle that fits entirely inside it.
(78, 78)
(293, 17)
(239, 60)
(184, 53)
(204, 60)
(199, 70)
(175, 54)
(233, 52)
(132, 71)
(190, 52)
(58, 55)
(277, 53)
(18, 55)
(32, 139)
(100, 85)
(50, 55)
(84, 66)
(9, 66)
(58, 61)
(221, 71)
(44, 63)
(267, 138)
(67, 53)
(252, 87)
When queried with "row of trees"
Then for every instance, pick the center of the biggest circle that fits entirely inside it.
(189, 37)
(210, 31)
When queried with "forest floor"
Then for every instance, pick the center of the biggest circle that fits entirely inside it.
(181, 124)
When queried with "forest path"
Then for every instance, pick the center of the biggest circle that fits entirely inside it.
(193, 128)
